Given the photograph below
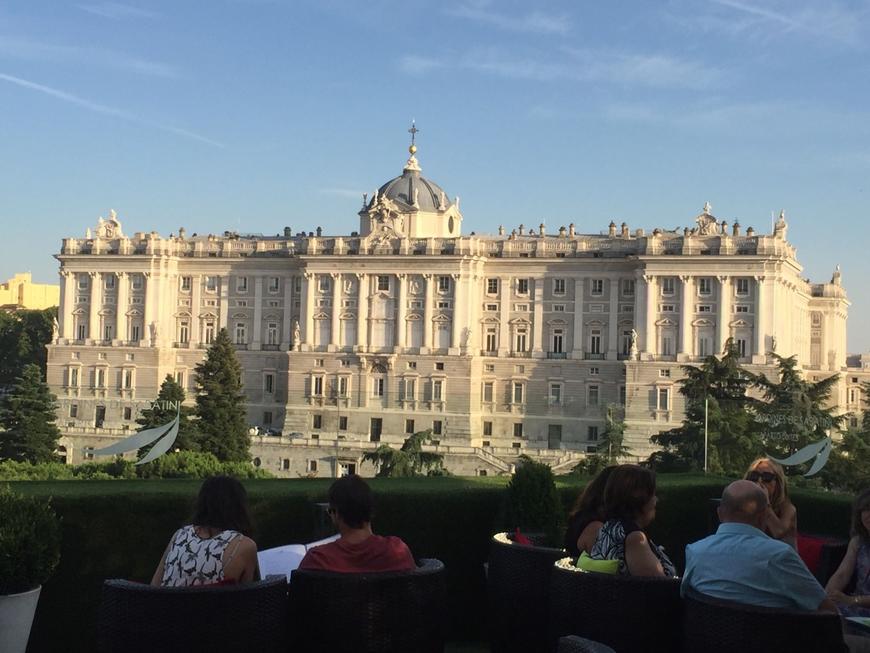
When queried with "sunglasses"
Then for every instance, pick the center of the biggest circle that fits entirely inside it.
(765, 477)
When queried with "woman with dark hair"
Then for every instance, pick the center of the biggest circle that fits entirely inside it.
(855, 566)
(587, 516)
(630, 506)
(215, 547)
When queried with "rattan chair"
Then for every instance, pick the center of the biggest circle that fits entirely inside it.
(368, 613)
(628, 613)
(518, 582)
(574, 644)
(137, 618)
(716, 626)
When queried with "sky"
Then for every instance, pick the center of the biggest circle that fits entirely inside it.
(253, 115)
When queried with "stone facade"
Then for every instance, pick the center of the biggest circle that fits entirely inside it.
(503, 344)
(20, 292)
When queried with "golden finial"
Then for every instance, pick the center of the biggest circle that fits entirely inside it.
(413, 131)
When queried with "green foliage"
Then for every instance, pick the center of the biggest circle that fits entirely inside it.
(611, 445)
(27, 419)
(23, 337)
(160, 414)
(533, 502)
(29, 541)
(848, 468)
(193, 464)
(408, 461)
(220, 403)
(733, 440)
(794, 411)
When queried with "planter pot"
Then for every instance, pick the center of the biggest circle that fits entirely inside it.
(16, 617)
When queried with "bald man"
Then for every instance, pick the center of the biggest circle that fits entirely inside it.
(741, 563)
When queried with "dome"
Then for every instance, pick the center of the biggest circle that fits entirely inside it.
(414, 190)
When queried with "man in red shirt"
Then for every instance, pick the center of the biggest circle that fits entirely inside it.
(357, 549)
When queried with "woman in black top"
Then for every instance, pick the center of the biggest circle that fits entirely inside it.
(586, 517)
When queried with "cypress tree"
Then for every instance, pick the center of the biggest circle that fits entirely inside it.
(160, 413)
(220, 404)
(27, 415)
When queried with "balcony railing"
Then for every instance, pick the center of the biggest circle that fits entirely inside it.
(593, 357)
(557, 354)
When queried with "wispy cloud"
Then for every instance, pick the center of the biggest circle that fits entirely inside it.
(536, 22)
(577, 65)
(105, 109)
(30, 50)
(116, 10)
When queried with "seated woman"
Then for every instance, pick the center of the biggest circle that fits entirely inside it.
(855, 566)
(215, 547)
(781, 519)
(586, 518)
(630, 506)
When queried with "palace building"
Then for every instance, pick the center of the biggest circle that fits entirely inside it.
(520, 342)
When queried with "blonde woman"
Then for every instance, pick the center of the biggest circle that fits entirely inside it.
(781, 518)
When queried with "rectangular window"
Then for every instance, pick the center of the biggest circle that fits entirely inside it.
(559, 308)
(312, 466)
(705, 286)
(667, 345)
(107, 332)
(323, 283)
(317, 421)
(489, 367)
(490, 307)
(522, 286)
(521, 339)
(136, 282)
(267, 417)
(436, 427)
(595, 341)
(741, 347)
(297, 285)
(184, 331)
(134, 332)
(186, 283)
(558, 337)
(664, 399)
(211, 284)
(179, 377)
(667, 308)
(518, 393)
(274, 284)
(704, 346)
(241, 333)
(628, 287)
(487, 428)
(622, 395)
(705, 308)
(742, 286)
(597, 286)
(100, 378)
(593, 395)
(741, 308)
(518, 429)
(488, 391)
(492, 286)
(409, 426)
(491, 339)
(342, 386)
(383, 282)
(410, 389)
(443, 284)
(83, 281)
(285, 464)
(317, 391)
(342, 423)
(594, 371)
(74, 377)
(378, 387)
(555, 394)
(128, 379)
(110, 282)
(74, 410)
(272, 333)
(209, 333)
(558, 286)
(592, 433)
(667, 286)
(437, 390)
(269, 383)
(241, 284)
(439, 366)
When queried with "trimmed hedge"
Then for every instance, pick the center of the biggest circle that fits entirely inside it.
(118, 529)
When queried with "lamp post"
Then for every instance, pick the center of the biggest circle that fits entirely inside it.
(706, 415)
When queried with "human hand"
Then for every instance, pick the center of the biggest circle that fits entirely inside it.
(839, 597)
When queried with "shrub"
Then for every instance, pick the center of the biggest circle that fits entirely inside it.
(533, 502)
(29, 541)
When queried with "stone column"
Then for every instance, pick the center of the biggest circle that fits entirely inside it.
(223, 301)
(504, 316)
(362, 314)
(195, 307)
(687, 311)
(651, 347)
(723, 329)
(538, 305)
(67, 305)
(96, 280)
(148, 280)
(577, 345)
(759, 354)
(335, 324)
(257, 326)
(613, 321)
(309, 281)
(287, 319)
(401, 307)
(122, 306)
(455, 322)
(428, 301)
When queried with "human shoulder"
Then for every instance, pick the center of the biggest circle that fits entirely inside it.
(636, 537)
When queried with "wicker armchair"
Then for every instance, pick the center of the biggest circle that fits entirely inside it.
(139, 618)
(716, 626)
(627, 613)
(518, 583)
(368, 613)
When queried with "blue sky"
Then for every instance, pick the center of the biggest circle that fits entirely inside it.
(253, 115)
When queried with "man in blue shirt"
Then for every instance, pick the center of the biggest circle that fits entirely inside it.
(740, 563)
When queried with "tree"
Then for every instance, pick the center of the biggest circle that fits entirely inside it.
(408, 461)
(162, 413)
(220, 404)
(848, 468)
(23, 338)
(794, 411)
(611, 444)
(27, 415)
(733, 441)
